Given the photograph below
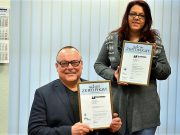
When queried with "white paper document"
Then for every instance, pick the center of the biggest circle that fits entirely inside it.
(4, 35)
(95, 104)
(136, 63)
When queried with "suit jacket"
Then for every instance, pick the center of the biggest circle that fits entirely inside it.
(51, 112)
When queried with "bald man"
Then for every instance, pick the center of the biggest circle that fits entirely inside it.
(55, 109)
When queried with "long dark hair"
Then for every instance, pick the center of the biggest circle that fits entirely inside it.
(146, 33)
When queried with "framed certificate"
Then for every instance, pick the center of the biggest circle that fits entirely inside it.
(95, 104)
(136, 63)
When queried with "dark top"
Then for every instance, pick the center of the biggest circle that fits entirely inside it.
(73, 97)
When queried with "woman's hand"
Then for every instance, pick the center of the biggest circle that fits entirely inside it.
(116, 75)
(153, 48)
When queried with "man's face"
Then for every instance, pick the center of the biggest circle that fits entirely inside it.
(69, 72)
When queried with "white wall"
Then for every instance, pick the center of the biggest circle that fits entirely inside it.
(39, 28)
(4, 90)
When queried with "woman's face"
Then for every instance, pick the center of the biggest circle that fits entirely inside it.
(136, 18)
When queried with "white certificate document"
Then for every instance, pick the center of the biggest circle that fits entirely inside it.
(95, 104)
(4, 35)
(136, 62)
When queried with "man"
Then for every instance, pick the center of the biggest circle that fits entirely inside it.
(55, 107)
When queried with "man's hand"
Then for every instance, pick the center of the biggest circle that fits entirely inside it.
(80, 129)
(116, 123)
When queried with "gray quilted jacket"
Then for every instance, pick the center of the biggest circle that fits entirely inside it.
(138, 106)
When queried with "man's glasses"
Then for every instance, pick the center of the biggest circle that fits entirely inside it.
(140, 16)
(64, 64)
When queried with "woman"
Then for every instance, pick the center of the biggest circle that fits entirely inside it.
(138, 106)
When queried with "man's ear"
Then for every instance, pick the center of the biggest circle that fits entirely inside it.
(56, 65)
(82, 64)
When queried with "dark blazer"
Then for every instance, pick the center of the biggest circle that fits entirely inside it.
(51, 112)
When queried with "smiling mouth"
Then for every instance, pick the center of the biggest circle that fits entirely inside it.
(135, 22)
(70, 73)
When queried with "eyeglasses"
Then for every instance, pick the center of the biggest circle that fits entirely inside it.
(74, 63)
(140, 16)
